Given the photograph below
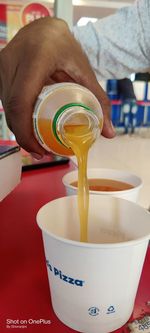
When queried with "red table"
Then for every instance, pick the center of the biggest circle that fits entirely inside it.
(24, 291)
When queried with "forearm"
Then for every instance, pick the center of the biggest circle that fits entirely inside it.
(118, 45)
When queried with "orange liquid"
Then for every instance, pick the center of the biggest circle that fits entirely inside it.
(80, 138)
(106, 185)
(46, 132)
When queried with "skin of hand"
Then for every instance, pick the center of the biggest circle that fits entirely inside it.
(41, 53)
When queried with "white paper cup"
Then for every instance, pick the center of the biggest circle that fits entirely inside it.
(124, 176)
(93, 285)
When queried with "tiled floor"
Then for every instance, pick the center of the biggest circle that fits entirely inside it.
(125, 152)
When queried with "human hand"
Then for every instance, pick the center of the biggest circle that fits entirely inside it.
(43, 52)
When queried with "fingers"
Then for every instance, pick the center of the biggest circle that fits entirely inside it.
(32, 57)
(86, 78)
(28, 82)
(108, 129)
(19, 119)
(80, 70)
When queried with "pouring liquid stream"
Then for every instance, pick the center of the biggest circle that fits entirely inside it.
(80, 138)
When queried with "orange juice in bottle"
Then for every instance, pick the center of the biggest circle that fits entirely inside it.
(67, 120)
(55, 106)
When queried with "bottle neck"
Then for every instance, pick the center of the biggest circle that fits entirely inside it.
(75, 114)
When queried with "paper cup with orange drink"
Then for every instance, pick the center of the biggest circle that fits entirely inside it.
(93, 285)
(111, 182)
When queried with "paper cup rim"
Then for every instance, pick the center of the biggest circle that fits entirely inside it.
(93, 245)
(66, 183)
